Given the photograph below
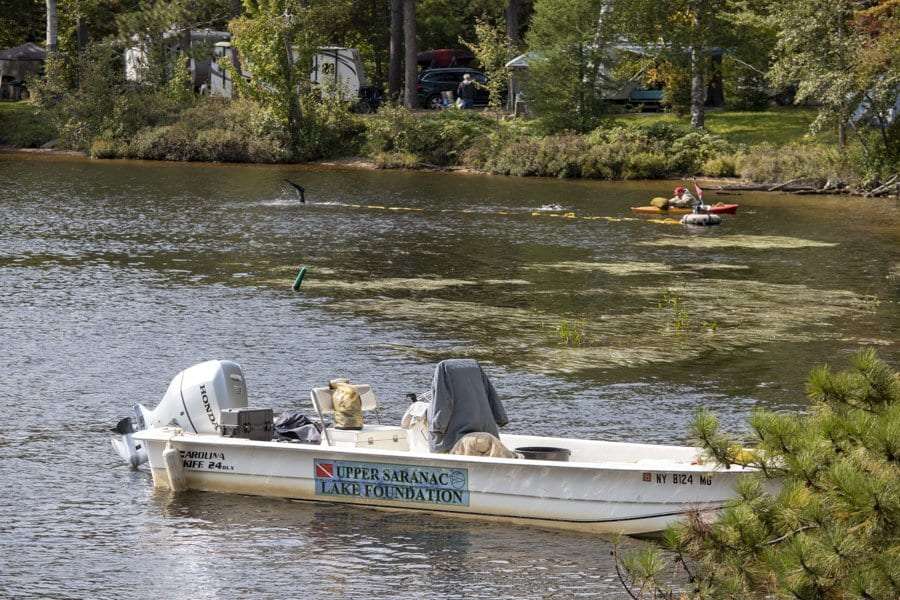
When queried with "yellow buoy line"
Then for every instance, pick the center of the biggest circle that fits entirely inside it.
(536, 213)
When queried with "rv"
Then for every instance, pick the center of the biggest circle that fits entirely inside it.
(201, 41)
(336, 71)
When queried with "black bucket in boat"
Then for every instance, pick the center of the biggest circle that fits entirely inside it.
(544, 453)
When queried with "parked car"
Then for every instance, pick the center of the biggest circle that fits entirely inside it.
(434, 81)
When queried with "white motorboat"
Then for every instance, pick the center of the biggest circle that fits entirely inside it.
(604, 487)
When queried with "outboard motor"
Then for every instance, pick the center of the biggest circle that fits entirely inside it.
(192, 402)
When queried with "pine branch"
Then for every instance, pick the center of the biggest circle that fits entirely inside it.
(679, 558)
(895, 585)
(615, 554)
(787, 535)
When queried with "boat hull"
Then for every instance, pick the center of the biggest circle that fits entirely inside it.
(615, 498)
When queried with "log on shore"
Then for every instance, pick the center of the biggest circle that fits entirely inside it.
(781, 185)
(885, 188)
(787, 186)
(744, 187)
(889, 187)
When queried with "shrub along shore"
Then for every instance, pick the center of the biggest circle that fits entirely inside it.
(622, 148)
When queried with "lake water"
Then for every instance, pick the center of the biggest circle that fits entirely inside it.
(116, 275)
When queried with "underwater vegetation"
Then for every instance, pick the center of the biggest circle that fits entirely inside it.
(682, 322)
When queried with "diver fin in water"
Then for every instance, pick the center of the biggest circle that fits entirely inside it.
(301, 191)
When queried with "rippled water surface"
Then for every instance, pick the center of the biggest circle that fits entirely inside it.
(116, 275)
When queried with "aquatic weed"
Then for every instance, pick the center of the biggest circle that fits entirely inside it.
(711, 326)
(679, 319)
(571, 332)
(871, 301)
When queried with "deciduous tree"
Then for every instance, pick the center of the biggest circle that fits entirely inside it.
(410, 65)
(566, 52)
(395, 68)
(492, 51)
(680, 31)
(52, 24)
(276, 40)
(22, 21)
(839, 54)
(815, 50)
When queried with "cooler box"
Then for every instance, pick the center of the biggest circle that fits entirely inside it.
(247, 423)
(383, 437)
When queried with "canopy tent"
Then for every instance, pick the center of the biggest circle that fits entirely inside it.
(25, 52)
(18, 64)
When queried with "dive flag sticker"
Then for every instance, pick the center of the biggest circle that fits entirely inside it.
(324, 470)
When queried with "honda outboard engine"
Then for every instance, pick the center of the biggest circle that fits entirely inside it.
(192, 402)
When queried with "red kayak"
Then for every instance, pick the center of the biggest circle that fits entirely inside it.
(721, 209)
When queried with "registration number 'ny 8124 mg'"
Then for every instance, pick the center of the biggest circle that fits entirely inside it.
(678, 478)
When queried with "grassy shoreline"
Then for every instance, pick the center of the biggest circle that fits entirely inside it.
(743, 150)
(367, 164)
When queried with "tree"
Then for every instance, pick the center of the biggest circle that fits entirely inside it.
(821, 519)
(21, 21)
(492, 52)
(411, 52)
(440, 23)
(513, 26)
(698, 71)
(815, 51)
(749, 57)
(877, 66)
(276, 40)
(263, 37)
(150, 28)
(395, 74)
(677, 30)
(839, 54)
(52, 24)
(563, 74)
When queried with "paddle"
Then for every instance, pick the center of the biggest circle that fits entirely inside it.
(301, 191)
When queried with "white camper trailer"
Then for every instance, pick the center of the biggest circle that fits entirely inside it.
(136, 56)
(339, 71)
(336, 71)
(220, 77)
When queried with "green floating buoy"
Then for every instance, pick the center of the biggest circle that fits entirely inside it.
(299, 280)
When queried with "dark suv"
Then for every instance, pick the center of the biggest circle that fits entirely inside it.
(434, 81)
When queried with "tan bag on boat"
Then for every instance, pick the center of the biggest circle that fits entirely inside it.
(481, 444)
(347, 405)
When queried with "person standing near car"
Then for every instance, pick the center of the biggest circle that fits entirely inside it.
(465, 92)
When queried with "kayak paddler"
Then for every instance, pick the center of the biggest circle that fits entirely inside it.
(682, 198)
